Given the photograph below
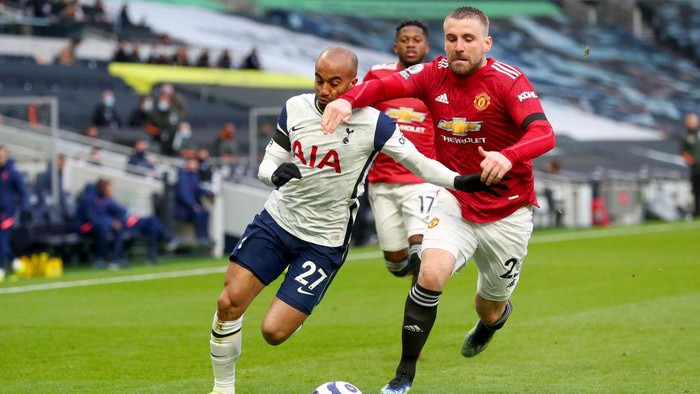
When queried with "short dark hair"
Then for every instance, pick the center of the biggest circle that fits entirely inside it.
(412, 22)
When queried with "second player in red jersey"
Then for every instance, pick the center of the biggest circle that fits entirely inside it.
(401, 201)
(495, 109)
(487, 117)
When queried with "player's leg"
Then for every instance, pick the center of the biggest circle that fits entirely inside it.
(257, 260)
(310, 273)
(280, 322)
(499, 258)
(240, 288)
(492, 317)
(415, 243)
(391, 232)
(446, 245)
(417, 201)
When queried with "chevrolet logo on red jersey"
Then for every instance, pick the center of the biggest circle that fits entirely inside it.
(459, 126)
(405, 114)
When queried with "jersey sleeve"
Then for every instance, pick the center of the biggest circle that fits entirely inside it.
(376, 90)
(525, 109)
(282, 121)
(275, 155)
(384, 131)
(278, 150)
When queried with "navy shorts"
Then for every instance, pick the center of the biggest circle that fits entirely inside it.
(266, 249)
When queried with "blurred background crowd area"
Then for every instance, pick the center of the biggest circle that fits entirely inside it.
(206, 79)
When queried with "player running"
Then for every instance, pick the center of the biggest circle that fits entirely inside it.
(401, 201)
(307, 221)
(487, 118)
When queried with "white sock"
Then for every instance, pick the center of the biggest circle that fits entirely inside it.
(225, 345)
(414, 249)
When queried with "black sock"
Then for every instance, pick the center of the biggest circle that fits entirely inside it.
(419, 316)
(498, 324)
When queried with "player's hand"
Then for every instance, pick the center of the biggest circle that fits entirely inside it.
(472, 183)
(284, 173)
(336, 111)
(494, 166)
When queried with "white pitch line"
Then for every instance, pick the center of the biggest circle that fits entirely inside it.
(118, 279)
(591, 234)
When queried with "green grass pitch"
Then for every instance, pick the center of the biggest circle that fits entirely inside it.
(596, 311)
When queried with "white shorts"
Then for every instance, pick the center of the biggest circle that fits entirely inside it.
(498, 248)
(400, 211)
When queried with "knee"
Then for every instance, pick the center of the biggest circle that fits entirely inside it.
(273, 335)
(430, 278)
(226, 309)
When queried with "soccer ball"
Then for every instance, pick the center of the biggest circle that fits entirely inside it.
(337, 387)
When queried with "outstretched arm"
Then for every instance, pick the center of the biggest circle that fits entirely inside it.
(362, 95)
(403, 151)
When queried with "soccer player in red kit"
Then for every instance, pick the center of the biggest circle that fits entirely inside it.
(400, 200)
(487, 118)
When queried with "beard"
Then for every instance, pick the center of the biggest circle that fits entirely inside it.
(462, 68)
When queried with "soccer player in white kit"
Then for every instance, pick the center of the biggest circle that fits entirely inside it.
(307, 221)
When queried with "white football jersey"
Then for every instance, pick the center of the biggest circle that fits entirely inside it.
(321, 206)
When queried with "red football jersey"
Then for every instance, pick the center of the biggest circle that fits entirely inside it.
(495, 108)
(414, 121)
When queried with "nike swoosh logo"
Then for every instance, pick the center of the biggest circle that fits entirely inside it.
(302, 291)
(294, 128)
(240, 245)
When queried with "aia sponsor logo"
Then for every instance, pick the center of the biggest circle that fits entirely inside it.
(310, 158)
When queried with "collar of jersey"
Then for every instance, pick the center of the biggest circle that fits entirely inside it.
(318, 107)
